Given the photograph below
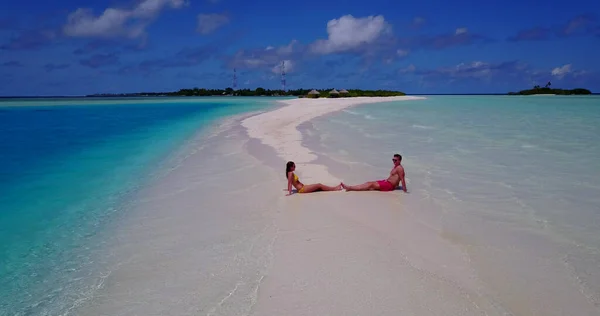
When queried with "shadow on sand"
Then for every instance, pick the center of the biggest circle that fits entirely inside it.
(295, 191)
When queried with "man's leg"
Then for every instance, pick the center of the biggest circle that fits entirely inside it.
(367, 186)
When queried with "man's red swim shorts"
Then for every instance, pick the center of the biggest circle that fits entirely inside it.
(385, 185)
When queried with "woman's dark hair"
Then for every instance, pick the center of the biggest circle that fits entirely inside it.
(288, 166)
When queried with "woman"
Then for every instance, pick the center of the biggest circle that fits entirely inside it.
(290, 167)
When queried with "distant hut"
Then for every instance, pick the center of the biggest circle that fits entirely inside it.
(334, 93)
(313, 94)
(344, 93)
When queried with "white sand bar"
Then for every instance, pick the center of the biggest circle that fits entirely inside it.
(278, 129)
(356, 253)
(365, 254)
(384, 253)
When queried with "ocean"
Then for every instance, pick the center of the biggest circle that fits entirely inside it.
(68, 170)
(157, 207)
(512, 181)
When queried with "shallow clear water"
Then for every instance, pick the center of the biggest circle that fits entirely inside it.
(512, 180)
(66, 168)
(537, 148)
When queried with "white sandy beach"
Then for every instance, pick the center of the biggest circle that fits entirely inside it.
(342, 253)
(195, 245)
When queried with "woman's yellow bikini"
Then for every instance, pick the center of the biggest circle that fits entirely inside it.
(296, 180)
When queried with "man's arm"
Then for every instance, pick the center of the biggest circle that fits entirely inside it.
(401, 174)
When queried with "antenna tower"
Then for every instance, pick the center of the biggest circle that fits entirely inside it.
(283, 76)
(234, 79)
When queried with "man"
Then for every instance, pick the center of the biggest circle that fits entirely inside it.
(390, 184)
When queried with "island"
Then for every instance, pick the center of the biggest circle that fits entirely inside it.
(547, 90)
(308, 93)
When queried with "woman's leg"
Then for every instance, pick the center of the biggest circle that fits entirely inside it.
(308, 188)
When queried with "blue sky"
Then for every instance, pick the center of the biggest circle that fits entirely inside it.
(65, 47)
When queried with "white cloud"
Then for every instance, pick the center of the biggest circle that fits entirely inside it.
(111, 23)
(476, 69)
(348, 33)
(290, 66)
(287, 49)
(461, 30)
(402, 52)
(268, 58)
(410, 68)
(151, 8)
(418, 21)
(208, 23)
(560, 72)
(115, 22)
(252, 62)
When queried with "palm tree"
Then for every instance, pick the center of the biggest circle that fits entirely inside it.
(548, 84)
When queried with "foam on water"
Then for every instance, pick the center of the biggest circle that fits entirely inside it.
(511, 180)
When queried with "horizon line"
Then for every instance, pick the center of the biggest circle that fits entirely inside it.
(129, 95)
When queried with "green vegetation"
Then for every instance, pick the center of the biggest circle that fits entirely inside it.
(547, 90)
(257, 92)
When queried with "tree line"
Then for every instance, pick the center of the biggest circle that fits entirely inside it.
(547, 90)
(256, 92)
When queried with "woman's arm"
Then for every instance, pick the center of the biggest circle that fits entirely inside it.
(290, 177)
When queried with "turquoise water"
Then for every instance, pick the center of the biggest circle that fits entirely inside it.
(512, 180)
(541, 151)
(66, 169)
